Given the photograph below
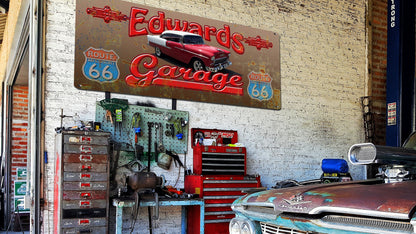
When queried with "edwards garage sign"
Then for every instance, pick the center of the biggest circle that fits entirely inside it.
(140, 50)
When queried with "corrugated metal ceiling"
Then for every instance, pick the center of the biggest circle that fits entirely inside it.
(3, 19)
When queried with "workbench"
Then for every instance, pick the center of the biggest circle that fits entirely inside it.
(120, 204)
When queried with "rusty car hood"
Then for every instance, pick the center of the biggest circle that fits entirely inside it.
(379, 199)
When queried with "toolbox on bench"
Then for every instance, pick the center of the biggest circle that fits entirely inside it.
(220, 137)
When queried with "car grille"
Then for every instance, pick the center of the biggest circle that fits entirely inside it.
(394, 226)
(267, 228)
(220, 60)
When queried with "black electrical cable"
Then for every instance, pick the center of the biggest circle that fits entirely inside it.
(135, 211)
(149, 144)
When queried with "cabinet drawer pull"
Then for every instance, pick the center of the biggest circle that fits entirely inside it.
(85, 185)
(84, 203)
(86, 195)
(86, 167)
(84, 222)
(86, 149)
(85, 139)
(85, 158)
(85, 176)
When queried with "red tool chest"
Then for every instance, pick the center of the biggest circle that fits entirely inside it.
(81, 183)
(218, 192)
(219, 177)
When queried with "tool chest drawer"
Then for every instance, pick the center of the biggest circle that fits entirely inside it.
(79, 230)
(83, 204)
(82, 223)
(86, 158)
(82, 139)
(73, 195)
(84, 213)
(81, 182)
(218, 192)
(85, 186)
(83, 176)
(85, 167)
(85, 149)
(219, 160)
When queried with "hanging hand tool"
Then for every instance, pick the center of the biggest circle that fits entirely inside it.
(111, 106)
(149, 146)
(155, 144)
(175, 157)
(149, 143)
(109, 117)
(178, 128)
(161, 147)
(138, 152)
(170, 130)
(119, 119)
(135, 124)
(184, 122)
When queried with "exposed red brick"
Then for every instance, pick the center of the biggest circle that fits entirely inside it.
(19, 129)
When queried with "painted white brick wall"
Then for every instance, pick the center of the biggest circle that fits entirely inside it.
(322, 74)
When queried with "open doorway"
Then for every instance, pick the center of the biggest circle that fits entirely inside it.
(14, 161)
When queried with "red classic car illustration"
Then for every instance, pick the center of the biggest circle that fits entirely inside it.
(190, 48)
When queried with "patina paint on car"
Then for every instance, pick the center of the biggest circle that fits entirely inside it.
(289, 223)
(289, 220)
(385, 204)
(352, 195)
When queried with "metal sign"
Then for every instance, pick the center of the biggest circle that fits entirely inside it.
(400, 80)
(141, 50)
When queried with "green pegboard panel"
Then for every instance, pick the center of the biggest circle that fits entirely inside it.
(163, 121)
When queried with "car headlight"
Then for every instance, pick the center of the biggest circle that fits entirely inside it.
(213, 58)
(241, 226)
(234, 228)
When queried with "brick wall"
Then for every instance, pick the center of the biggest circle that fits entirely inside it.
(379, 69)
(323, 72)
(19, 130)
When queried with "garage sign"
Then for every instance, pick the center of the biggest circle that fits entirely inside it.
(141, 50)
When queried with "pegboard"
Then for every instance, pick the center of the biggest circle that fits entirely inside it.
(124, 133)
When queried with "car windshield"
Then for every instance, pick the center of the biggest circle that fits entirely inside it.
(193, 40)
(410, 142)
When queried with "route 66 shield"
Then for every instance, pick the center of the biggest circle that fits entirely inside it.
(101, 65)
(259, 86)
